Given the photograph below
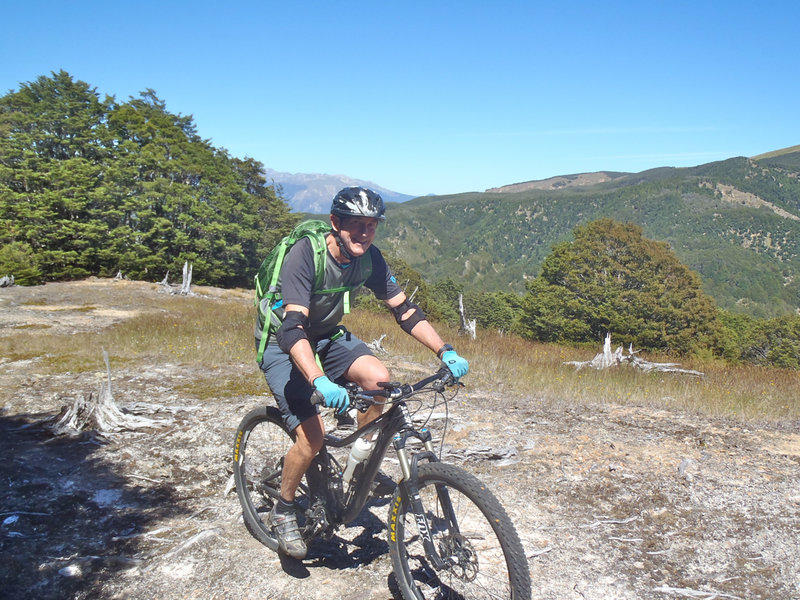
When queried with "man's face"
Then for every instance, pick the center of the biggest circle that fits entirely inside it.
(356, 233)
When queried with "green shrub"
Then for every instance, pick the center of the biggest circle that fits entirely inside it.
(17, 259)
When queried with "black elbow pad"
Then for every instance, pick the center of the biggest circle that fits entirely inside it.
(292, 330)
(408, 324)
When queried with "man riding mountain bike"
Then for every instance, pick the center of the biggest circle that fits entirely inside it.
(313, 352)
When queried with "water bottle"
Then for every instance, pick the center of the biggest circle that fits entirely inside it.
(358, 453)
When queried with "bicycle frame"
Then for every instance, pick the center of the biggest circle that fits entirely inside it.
(393, 427)
(389, 427)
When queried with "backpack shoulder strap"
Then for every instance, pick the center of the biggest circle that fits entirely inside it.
(316, 232)
(319, 246)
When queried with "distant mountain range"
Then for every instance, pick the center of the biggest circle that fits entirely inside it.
(736, 222)
(313, 192)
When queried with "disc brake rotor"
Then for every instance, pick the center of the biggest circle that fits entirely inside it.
(460, 556)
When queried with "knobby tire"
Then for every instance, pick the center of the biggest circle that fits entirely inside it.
(490, 559)
(261, 442)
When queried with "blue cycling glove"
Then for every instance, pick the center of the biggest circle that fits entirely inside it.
(457, 365)
(334, 396)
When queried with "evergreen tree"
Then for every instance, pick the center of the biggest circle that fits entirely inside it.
(612, 279)
(93, 187)
(444, 296)
(410, 280)
(52, 149)
(494, 310)
(17, 259)
(775, 342)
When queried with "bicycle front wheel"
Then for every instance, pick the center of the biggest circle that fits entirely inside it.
(471, 532)
(261, 442)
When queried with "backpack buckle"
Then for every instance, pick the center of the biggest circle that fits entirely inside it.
(340, 331)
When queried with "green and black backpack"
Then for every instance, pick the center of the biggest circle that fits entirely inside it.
(266, 280)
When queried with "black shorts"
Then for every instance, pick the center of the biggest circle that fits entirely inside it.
(289, 386)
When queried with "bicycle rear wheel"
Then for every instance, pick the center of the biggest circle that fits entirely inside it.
(261, 442)
(476, 537)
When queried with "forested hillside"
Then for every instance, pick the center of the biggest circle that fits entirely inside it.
(735, 222)
(93, 186)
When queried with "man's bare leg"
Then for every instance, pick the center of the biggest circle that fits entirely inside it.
(283, 518)
(307, 444)
(367, 371)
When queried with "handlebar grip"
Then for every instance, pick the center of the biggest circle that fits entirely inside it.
(446, 375)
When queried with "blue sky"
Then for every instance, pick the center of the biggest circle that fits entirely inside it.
(438, 97)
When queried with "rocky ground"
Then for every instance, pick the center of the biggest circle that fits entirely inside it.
(610, 501)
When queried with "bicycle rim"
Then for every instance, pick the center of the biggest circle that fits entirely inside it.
(486, 558)
(260, 445)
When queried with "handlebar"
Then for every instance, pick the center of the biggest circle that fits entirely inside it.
(391, 390)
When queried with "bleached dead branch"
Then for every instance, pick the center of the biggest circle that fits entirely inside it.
(377, 345)
(689, 593)
(607, 359)
(504, 456)
(600, 522)
(198, 538)
(229, 486)
(467, 326)
(539, 552)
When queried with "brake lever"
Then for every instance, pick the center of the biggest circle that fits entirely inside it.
(446, 380)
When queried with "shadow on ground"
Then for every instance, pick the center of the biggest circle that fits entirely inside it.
(68, 522)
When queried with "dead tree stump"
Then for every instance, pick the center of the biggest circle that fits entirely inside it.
(186, 284)
(376, 345)
(99, 414)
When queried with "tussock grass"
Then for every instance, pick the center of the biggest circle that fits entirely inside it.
(213, 339)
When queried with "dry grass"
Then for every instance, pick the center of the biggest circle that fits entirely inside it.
(207, 335)
(521, 368)
(213, 337)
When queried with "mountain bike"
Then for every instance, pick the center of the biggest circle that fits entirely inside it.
(448, 535)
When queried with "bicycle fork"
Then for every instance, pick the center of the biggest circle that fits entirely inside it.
(410, 489)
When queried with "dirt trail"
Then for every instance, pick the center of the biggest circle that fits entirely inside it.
(610, 501)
